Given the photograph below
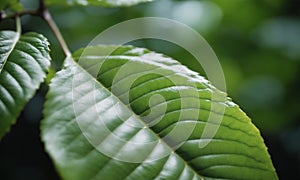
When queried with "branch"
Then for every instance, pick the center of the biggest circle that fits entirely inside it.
(29, 12)
(44, 13)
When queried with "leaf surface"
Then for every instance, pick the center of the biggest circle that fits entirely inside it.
(116, 120)
(24, 61)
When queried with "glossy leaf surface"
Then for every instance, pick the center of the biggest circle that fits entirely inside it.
(24, 61)
(101, 117)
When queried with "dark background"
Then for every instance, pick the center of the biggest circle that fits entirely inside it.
(258, 45)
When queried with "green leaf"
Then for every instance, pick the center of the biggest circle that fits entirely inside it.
(13, 5)
(102, 114)
(24, 61)
(99, 3)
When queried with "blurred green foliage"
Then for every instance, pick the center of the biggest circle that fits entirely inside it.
(257, 42)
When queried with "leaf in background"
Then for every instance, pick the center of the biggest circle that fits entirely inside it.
(91, 123)
(13, 5)
(24, 61)
(99, 3)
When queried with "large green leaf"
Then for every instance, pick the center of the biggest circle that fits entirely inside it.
(100, 120)
(24, 61)
(100, 3)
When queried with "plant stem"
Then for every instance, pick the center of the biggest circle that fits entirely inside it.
(45, 14)
(29, 12)
(47, 17)
(18, 25)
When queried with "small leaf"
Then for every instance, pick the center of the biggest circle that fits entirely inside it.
(99, 3)
(24, 61)
(120, 117)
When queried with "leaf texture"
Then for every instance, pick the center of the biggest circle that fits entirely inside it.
(24, 61)
(99, 3)
(88, 114)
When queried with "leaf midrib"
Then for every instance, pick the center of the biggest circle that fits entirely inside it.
(138, 117)
(16, 39)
